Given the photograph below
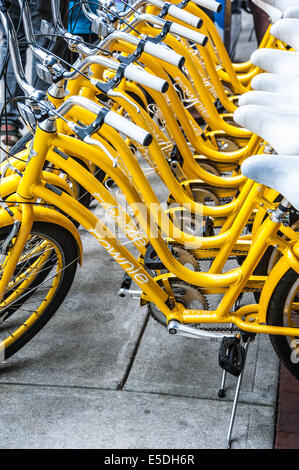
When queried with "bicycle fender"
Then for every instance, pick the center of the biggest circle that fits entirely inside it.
(10, 183)
(19, 164)
(279, 270)
(45, 214)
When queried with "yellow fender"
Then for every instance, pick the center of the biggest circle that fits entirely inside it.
(44, 214)
(278, 271)
(10, 183)
(21, 160)
(19, 163)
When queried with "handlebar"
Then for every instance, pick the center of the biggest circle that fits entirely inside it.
(175, 28)
(156, 50)
(188, 34)
(110, 118)
(131, 72)
(166, 8)
(184, 16)
(172, 10)
(139, 75)
(209, 4)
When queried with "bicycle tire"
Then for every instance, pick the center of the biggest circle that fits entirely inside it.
(278, 309)
(65, 246)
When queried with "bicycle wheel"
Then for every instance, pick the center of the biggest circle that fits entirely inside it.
(283, 310)
(39, 285)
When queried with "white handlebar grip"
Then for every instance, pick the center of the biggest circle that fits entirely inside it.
(188, 34)
(164, 53)
(128, 128)
(209, 4)
(184, 16)
(139, 75)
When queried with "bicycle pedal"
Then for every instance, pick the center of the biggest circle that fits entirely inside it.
(231, 355)
(125, 286)
(125, 289)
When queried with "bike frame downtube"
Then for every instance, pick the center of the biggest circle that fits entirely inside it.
(144, 218)
(155, 67)
(141, 181)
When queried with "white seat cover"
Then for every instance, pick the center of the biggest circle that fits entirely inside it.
(277, 61)
(277, 9)
(277, 127)
(279, 172)
(292, 12)
(280, 84)
(273, 100)
(273, 13)
(282, 5)
(287, 30)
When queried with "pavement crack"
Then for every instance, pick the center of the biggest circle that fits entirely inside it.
(122, 383)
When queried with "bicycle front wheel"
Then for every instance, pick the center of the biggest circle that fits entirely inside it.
(283, 310)
(41, 281)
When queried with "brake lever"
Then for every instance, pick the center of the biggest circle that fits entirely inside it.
(84, 133)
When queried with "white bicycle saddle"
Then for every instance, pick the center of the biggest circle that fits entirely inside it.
(280, 84)
(272, 100)
(278, 172)
(282, 5)
(277, 127)
(287, 30)
(291, 12)
(275, 9)
(273, 13)
(277, 61)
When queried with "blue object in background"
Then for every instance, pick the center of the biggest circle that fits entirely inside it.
(219, 18)
(78, 23)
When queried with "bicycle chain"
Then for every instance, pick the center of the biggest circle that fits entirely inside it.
(219, 329)
(241, 253)
(205, 328)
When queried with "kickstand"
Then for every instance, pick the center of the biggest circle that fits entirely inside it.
(232, 358)
(247, 339)
(221, 391)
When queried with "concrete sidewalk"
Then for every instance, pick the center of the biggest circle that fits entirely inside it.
(102, 374)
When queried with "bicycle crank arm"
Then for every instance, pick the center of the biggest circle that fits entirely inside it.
(131, 294)
(175, 328)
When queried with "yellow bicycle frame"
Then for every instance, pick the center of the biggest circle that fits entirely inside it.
(233, 282)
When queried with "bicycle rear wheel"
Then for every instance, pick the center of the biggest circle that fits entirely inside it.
(40, 283)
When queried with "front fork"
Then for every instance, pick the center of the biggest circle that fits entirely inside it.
(14, 249)
(31, 176)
